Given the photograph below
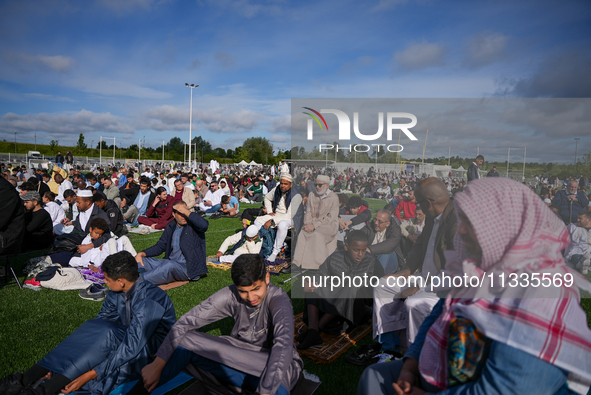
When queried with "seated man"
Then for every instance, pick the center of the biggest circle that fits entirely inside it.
(183, 245)
(69, 206)
(391, 314)
(278, 205)
(578, 252)
(212, 201)
(159, 213)
(259, 355)
(143, 200)
(183, 193)
(12, 219)
(411, 230)
(244, 242)
(254, 193)
(384, 240)
(116, 220)
(318, 237)
(200, 191)
(570, 202)
(345, 302)
(38, 225)
(249, 215)
(110, 349)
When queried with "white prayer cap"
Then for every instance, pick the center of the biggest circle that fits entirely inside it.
(323, 179)
(547, 201)
(84, 193)
(252, 231)
(288, 177)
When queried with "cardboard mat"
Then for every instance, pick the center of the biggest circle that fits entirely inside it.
(333, 346)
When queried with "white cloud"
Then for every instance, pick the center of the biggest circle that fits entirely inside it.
(83, 121)
(420, 56)
(62, 64)
(108, 87)
(41, 96)
(217, 120)
(485, 48)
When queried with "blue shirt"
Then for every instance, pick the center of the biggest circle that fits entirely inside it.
(176, 254)
(233, 203)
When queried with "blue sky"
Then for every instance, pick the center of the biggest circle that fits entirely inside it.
(118, 68)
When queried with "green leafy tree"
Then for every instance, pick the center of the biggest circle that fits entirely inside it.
(53, 144)
(81, 146)
(259, 149)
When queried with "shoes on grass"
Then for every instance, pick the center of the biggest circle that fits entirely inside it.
(33, 284)
(364, 355)
(95, 292)
(312, 338)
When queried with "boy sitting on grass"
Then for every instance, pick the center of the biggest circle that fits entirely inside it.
(229, 206)
(94, 257)
(342, 302)
(259, 355)
(110, 349)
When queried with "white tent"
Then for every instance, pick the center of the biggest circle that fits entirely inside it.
(253, 163)
(242, 163)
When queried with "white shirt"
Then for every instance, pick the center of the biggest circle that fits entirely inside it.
(284, 169)
(84, 216)
(214, 197)
(190, 185)
(64, 186)
(580, 241)
(56, 212)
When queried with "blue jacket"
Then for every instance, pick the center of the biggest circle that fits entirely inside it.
(115, 344)
(563, 205)
(192, 244)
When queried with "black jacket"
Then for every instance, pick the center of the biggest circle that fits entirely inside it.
(443, 240)
(192, 244)
(12, 219)
(38, 230)
(390, 243)
(115, 218)
(473, 172)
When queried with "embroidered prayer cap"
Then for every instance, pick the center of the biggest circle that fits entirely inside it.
(288, 177)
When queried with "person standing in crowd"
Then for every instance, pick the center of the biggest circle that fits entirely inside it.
(493, 172)
(473, 172)
(59, 159)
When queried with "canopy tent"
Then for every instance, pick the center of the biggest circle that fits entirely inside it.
(253, 163)
(242, 163)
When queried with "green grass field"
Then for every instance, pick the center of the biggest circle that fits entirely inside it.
(33, 323)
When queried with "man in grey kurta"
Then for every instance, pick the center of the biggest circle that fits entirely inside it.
(259, 351)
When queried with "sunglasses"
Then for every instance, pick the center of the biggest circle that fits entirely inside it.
(318, 185)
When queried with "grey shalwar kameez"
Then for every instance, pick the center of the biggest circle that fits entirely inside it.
(261, 342)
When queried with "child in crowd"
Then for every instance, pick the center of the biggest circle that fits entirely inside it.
(578, 252)
(258, 356)
(110, 349)
(328, 305)
(94, 257)
(244, 242)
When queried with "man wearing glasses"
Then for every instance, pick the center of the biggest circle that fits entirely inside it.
(318, 237)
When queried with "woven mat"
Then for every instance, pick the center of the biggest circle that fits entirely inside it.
(212, 261)
(175, 284)
(274, 268)
(333, 346)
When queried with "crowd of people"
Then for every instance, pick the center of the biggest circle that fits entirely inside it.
(426, 338)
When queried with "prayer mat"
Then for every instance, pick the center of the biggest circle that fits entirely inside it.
(276, 267)
(176, 284)
(333, 346)
(212, 261)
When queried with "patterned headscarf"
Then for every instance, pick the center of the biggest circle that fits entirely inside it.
(519, 235)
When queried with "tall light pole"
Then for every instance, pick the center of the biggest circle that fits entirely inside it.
(15, 142)
(192, 86)
(576, 145)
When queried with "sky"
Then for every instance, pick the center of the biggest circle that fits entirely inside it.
(115, 68)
